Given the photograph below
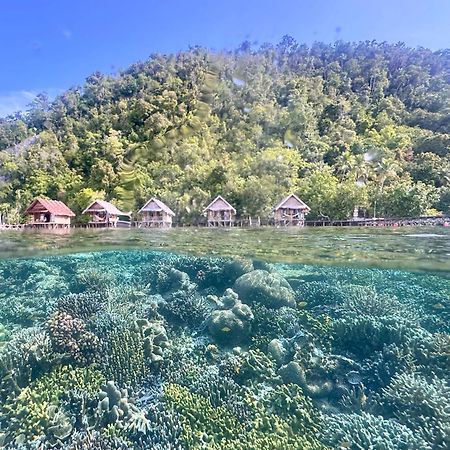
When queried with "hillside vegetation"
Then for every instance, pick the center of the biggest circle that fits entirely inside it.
(351, 124)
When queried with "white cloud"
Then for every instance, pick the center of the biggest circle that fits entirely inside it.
(14, 101)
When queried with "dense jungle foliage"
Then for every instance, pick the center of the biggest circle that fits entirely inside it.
(351, 124)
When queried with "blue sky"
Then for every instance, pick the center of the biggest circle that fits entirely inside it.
(51, 45)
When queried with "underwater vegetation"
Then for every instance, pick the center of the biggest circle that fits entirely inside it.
(151, 350)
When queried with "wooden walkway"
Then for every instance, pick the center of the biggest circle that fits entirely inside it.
(249, 223)
(5, 226)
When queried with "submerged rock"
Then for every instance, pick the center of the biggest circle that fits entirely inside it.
(261, 286)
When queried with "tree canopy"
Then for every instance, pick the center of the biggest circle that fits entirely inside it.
(345, 125)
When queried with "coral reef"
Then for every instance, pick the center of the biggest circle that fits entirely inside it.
(140, 349)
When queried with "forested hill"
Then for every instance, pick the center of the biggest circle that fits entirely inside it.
(344, 125)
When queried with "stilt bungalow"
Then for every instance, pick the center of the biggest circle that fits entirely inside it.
(50, 214)
(155, 214)
(106, 215)
(220, 213)
(291, 211)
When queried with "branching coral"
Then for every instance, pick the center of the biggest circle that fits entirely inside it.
(423, 404)
(361, 432)
(126, 363)
(334, 338)
(82, 306)
(26, 356)
(70, 337)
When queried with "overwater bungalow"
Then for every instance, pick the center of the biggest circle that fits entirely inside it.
(155, 214)
(50, 214)
(291, 211)
(106, 215)
(220, 213)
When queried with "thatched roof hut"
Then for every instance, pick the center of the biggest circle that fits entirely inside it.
(105, 214)
(46, 213)
(155, 213)
(291, 211)
(220, 213)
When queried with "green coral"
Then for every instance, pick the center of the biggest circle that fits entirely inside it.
(126, 363)
(31, 414)
(289, 402)
(203, 424)
(215, 428)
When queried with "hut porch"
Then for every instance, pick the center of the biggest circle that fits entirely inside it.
(291, 211)
(48, 214)
(155, 214)
(220, 213)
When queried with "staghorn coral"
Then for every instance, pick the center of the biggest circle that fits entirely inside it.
(421, 403)
(221, 390)
(231, 321)
(164, 431)
(364, 431)
(95, 440)
(270, 289)
(70, 337)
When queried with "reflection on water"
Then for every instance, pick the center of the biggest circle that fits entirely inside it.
(409, 248)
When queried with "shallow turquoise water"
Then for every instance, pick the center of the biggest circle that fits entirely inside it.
(237, 339)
